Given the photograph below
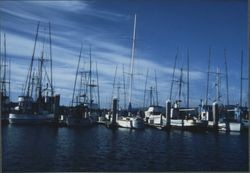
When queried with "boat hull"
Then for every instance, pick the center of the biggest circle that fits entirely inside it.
(192, 125)
(31, 119)
(133, 123)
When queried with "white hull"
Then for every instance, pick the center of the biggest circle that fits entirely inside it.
(189, 124)
(133, 122)
(155, 119)
(233, 126)
(31, 118)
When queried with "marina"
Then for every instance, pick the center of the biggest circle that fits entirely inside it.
(121, 91)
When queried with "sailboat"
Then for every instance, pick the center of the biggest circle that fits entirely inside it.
(82, 108)
(131, 121)
(4, 84)
(37, 104)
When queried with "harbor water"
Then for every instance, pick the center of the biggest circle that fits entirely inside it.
(45, 148)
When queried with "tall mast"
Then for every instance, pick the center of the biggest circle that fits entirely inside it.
(241, 76)
(188, 78)
(29, 76)
(132, 65)
(0, 62)
(218, 84)
(98, 89)
(145, 89)
(172, 81)
(180, 84)
(113, 90)
(156, 90)
(124, 86)
(90, 78)
(151, 96)
(4, 67)
(40, 67)
(77, 71)
(50, 54)
(226, 76)
(208, 74)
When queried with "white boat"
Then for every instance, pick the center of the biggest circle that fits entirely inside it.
(25, 113)
(131, 122)
(154, 115)
(234, 126)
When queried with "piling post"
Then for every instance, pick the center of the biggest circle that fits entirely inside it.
(114, 107)
(113, 123)
(168, 111)
(215, 115)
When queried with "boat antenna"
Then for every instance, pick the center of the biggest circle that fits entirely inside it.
(173, 74)
(132, 66)
(77, 70)
(225, 55)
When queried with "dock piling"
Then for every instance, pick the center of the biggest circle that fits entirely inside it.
(215, 115)
(168, 111)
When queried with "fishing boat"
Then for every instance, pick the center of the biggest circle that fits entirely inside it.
(4, 83)
(37, 104)
(83, 109)
(186, 120)
(235, 123)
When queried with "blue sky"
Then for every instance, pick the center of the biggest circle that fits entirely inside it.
(162, 26)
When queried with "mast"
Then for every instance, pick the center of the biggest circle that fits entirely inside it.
(226, 76)
(1, 63)
(90, 78)
(4, 67)
(180, 85)
(132, 66)
(151, 95)
(145, 89)
(50, 54)
(218, 84)
(188, 78)
(124, 86)
(156, 90)
(113, 90)
(208, 73)
(241, 77)
(40, 74)
(77, 70)
(98, 90)
(172, 81)
(29, 76)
